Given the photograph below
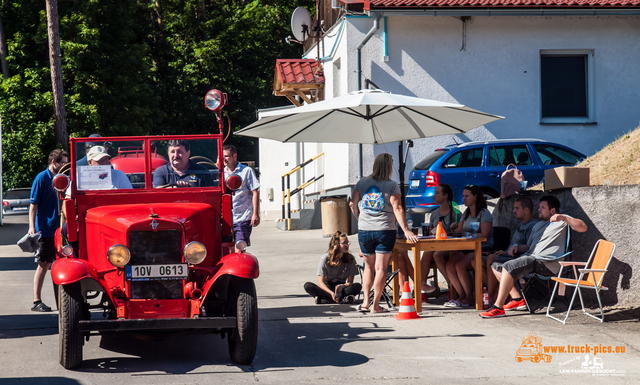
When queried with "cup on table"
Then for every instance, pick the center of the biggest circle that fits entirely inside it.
(415, 230)
(426, 229)
(523, 185)
(475, 226)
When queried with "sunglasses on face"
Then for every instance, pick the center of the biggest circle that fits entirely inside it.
(346, 243)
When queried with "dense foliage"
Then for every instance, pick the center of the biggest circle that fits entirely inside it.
(133, 67)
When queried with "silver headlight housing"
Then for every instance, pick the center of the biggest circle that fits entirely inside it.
(194, 252)
(118, 255)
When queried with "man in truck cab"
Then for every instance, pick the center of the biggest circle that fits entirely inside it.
(180, 171)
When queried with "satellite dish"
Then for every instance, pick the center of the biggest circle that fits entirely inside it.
(301, 24)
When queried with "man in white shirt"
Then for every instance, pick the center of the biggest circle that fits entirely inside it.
(246, 200)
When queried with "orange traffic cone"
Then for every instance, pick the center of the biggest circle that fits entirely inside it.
(407, 306)
(440, 233)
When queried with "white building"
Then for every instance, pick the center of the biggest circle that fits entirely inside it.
(560, 72)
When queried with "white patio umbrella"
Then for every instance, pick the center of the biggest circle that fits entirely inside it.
(367, 116)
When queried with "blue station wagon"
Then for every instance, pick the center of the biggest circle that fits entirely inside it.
(482, 164)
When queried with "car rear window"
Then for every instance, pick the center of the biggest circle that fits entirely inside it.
(550, 154)
(17, 194)
(427, 162)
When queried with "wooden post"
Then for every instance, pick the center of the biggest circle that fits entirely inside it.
(56, 73)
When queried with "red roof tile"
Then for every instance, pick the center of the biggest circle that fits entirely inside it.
(380, 4)
(299, 71)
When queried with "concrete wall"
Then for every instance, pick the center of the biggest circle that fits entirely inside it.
(611, 213)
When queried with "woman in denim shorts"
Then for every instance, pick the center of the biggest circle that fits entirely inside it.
(376, 203)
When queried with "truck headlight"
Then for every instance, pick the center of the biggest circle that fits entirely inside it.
(194, 252)
(118, 255)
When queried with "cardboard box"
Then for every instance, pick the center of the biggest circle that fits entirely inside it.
(566, 177)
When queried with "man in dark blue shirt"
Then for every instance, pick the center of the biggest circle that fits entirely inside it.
(180, 171)
(44, 217)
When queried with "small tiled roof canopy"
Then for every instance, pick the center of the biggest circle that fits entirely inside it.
(302, 77)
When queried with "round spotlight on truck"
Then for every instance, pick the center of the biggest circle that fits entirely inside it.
(61, 182)
(194, 252)
(67, 250)
(214, 100)
(118, 255)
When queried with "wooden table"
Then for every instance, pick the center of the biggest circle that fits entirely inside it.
(431, 244)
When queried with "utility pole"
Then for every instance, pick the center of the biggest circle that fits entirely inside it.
(56, 73)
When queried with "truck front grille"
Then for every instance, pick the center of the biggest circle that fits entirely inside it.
(152, 248)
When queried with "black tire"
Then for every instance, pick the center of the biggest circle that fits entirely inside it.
(243, 340)
(71, 339)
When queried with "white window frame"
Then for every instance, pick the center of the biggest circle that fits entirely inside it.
(591, 107)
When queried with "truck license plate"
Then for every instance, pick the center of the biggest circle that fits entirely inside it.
(156, 272)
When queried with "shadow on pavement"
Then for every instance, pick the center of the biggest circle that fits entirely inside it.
(12, 232)
(18, 263)
(39, 380)
(28, 325)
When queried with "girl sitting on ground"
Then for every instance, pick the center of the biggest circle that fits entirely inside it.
(336, 272)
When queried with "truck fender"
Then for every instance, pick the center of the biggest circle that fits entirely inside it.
(70, 270)
(243, 265)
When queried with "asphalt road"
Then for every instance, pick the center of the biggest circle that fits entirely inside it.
(300, 342)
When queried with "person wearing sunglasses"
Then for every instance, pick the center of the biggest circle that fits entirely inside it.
(477, 221)
(336, 272)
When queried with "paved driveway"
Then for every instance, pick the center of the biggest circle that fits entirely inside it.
(301, 342)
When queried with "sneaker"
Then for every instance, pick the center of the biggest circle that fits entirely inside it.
(347, 299)
(321, 301)
(516, 305)
(493, 312)
(41, 307)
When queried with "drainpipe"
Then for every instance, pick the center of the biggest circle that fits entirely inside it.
(372, 31)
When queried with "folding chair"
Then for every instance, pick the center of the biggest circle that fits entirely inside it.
(387, 293)
(537, 279)
(591, 277)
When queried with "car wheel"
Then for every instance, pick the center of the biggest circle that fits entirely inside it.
(243, 340)
(70, 306)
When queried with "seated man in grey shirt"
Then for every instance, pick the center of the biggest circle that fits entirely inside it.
(547, 242)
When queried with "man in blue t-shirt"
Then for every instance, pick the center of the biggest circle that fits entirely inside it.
(44, 218)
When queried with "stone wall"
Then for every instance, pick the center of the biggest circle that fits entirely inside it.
(611, 213)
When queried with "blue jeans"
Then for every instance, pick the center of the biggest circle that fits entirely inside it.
(372, 242)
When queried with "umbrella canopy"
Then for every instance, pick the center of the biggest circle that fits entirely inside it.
(367, 116)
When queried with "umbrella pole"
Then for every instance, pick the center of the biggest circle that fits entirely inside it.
(401, 165)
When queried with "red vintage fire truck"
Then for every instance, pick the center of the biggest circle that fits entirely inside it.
(154, 256)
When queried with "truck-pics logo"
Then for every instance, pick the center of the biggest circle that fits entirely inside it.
(531, 349)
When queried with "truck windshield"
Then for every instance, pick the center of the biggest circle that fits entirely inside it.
(120, 164)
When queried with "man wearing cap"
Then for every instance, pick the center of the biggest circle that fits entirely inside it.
(87, 146)
(180, 171)
(98, 156)
(44, 218)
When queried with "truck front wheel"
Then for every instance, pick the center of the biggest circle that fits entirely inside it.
(71, 340)
(243, 340)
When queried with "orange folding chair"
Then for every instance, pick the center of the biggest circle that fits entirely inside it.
(590, 278)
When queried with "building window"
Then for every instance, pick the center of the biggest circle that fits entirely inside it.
(566, 86)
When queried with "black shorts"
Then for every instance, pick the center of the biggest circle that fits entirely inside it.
(46, 250)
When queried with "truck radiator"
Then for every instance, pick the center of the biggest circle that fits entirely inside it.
(154, 248)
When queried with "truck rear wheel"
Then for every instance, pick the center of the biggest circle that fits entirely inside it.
(243, 340)
(71, 340)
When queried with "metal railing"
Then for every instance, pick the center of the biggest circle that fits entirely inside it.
(287, 193)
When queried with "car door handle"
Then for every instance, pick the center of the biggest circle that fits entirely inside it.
(496, 174)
